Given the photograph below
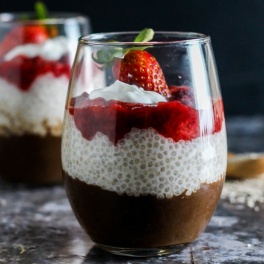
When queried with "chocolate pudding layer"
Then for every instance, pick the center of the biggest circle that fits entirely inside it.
(145, 221)
(30, 159)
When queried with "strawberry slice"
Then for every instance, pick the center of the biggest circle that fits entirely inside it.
(25, 34)
(142, 69)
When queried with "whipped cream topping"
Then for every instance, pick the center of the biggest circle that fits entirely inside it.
(127, 93)
(52, 49)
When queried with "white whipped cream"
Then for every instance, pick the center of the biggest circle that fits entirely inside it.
(127, 93)
(52, 49)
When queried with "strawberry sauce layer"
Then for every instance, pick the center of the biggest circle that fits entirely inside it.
(22, 71)
(115, 119)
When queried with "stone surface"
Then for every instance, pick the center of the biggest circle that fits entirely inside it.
(37, 226)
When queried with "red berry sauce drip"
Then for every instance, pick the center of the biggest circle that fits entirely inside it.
(22, 71)
(115, 119)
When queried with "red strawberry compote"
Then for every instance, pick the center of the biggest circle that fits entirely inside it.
(140, 171)
(34, 77)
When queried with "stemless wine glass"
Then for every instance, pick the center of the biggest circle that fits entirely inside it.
(144, 141)
(35, 61)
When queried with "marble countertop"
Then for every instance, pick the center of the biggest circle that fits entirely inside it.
(37, 224)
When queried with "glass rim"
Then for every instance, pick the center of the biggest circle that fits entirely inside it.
(12, 18)
(103, 38)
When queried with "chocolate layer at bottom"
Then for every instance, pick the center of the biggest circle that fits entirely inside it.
(30, 159)
(141, 222)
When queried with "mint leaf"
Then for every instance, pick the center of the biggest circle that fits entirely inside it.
(41, 10)
(145, 35)
(106, 57)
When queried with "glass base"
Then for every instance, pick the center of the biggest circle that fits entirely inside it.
(143, 252)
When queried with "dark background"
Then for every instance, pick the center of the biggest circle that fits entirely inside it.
(235, 26)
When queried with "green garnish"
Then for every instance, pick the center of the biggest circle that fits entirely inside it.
(41, 10)
(105, 57)
(145, 35)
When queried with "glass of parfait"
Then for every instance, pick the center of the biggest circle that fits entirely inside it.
(36, 56)
(144, 141)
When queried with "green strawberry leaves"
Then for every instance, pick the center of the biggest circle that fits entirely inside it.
(106, 57)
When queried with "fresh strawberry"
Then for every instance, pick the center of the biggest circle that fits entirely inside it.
(32, 34)
(135, 65)
(19, 35)
(142, 69)
(29, 33)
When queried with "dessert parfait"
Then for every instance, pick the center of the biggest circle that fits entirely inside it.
(36, 53)
(144, 160)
